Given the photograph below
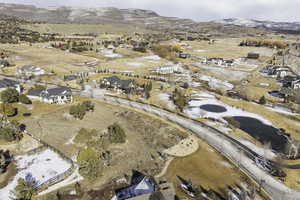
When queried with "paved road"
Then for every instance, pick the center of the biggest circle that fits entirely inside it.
(276, 189)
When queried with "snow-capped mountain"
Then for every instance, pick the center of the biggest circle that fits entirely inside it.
(288, 27)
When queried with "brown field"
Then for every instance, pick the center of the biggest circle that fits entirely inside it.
(206, 168)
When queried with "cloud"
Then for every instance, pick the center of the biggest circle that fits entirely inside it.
(200, 10)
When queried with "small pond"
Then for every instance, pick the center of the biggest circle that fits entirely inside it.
(213, 108)
(262, 132)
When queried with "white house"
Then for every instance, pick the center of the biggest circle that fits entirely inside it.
(59, 95)
(168, 69)
(29, 71)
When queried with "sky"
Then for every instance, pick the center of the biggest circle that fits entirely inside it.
(198, 10)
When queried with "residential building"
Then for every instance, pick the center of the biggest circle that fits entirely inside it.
(58, 95)
(291, 82)
(168, 69)
(115, 83)
(253, 56)
(6, 83)
(30, 71)
(278, 71)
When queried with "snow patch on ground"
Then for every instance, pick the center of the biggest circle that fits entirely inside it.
(73, 178)
(135, 64)
(43, 166)
(111, 54)
(153, 57)
(216, 83)
(200, 50)
(194, 111)
(267, 153)
(282, 110)
(166, 98)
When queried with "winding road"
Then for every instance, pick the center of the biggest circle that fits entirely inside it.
(237, 153)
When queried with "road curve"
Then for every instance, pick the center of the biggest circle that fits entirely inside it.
(275, 189)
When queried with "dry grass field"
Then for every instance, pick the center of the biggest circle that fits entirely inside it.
(51, 60)
(225, 48)
(206, 168)
(68, 29)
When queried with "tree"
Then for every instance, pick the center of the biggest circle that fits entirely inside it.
(24, 99)
(262, 100)
(10, 95)
(78, 111)
(88, 105)
(90, 165)
(24, 190)
(116, 134)
(8, 110)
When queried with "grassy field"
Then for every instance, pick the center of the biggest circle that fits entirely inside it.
(206, 168)
(51, 60)
(225, 48)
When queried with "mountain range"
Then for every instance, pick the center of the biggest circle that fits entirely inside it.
(284, 27)
(140, 17)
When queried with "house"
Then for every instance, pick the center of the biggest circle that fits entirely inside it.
(141, 187)
(6, 83)
(253, 56)
(115, 83)
(168, 69)
(30, 71)
(291, 82)
(58, 95)
(278, 71)
(183, 55)
(218, 62)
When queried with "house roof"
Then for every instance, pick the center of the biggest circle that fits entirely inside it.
(140, 185)
(121, 83)
(58, 91)
(6, 83)
(33, 92)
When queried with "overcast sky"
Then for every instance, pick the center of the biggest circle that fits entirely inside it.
(199, 10)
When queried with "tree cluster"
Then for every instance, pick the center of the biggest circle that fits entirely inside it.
(264, 43)
(90, 164)
(179, 99)
(78, 111)
(116, 134)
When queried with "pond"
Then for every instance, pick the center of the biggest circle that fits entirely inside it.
(213, 108)
(262, 132)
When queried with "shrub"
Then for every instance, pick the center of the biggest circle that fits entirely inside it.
(179, 99)
(262, 100)
(85, 135)
(90, 165)
(24, 99)
(88, 105)
(10, 95)
(78, 111)
(116, 134)
(8, 110)
(24, 190)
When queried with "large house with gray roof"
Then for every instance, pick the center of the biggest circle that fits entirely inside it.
(117, 84)
(58, 95)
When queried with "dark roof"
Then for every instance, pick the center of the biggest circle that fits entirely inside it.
(58, 91)
(140, 185)
(6, 83)
(33, 92)
(124, 84)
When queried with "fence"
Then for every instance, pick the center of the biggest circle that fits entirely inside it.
(58, 177)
